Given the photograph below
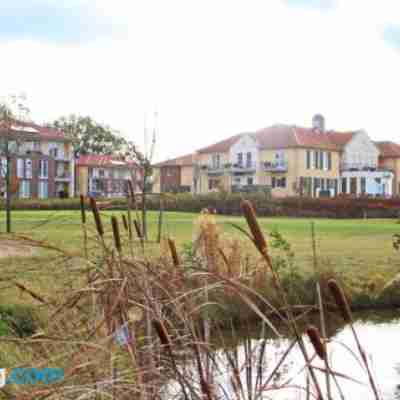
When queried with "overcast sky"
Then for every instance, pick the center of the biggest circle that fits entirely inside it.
(211, 68)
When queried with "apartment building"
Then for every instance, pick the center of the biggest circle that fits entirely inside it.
(294, 160)
(105, 175)
(42, 161)
(174, 175)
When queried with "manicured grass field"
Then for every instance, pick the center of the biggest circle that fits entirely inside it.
(358, 247)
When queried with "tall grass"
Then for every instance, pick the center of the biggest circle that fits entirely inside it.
(139, 324)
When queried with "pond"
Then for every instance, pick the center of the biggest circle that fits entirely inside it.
(378, 332)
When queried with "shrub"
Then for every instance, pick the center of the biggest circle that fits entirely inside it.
(18, 319)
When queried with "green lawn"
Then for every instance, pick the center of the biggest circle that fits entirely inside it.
(362, 247)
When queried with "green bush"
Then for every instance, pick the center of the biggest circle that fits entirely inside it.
(17, 319)
(229, 204)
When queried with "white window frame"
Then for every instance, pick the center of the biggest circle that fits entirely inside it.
(20, 168)
(43, 194)
(28, 168)
(43, 163)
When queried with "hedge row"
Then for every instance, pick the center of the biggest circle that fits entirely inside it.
(229, 204)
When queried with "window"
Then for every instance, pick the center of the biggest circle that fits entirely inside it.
(24, 189)
(28, 168)
(279, 182)
(212, 184)
(248, 160)
(43, 190)
(240, 159)
(353, 185)
(363, 185)
(216, 160)
(53, 152)
(344, 185)
(101, 173)
(329, 161)
(43, 169)
(308, 159)
(3, 167)
(323, 187)
(20, 167)
(321, 160)
(249, 181)
(316, 159)
(317, 185)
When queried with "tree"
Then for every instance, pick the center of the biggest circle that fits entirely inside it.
(12, 110)
(90, 136)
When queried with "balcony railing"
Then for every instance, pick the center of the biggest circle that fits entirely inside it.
(358, 167)
(231, 168)
(275, 166)
(63, 176)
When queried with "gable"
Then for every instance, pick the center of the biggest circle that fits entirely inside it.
(361, 149)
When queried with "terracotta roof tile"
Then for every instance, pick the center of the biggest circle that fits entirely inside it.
(37, 131)
(388, 149)
(98, 160)
(185, 160)
(222, 146)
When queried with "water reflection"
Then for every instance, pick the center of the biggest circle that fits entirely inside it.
(378, 333)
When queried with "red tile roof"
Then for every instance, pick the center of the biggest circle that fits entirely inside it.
(37, 131)
(285, 136)
(98, 160)
(186, 160)
(388, 149)
(222, 146)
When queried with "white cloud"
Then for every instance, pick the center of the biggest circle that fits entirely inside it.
(213, 69)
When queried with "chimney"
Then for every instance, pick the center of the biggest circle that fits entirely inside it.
(318, 123)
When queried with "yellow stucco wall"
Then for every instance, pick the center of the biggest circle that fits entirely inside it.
(156, 180)
(394, 165)
(187, 175)
(83, 173)
(297, 167)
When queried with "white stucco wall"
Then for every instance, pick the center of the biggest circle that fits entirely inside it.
(246, 144)
(361, 151)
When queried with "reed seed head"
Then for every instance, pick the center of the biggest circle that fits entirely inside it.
(125, 222)
(131, 192)
(174, 253)
(340, 300)
(97, 218)
(137, 228)
(162, 333)
(83, 211)
(315, 339)
(258, 236)
(117, 237)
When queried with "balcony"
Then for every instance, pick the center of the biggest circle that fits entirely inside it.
(360, 167)
(63, 176)
(246, 168)
(272, 166)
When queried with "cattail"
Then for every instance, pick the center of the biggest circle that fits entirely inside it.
(340, 300)
(131, 193)
(125, 222)
(174, 253)
(258, 236)
(83, 211)
(162, 333)
(97, 218)
(137, 227)
(117, 237)
(315, 339)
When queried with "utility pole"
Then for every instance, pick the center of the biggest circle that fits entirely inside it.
(8, 191)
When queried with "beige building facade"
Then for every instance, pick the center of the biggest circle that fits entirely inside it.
(296, 161)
